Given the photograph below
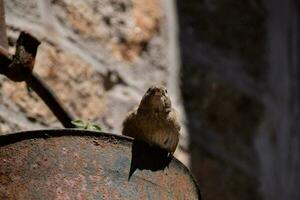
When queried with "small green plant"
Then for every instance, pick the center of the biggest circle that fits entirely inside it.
(86, 125)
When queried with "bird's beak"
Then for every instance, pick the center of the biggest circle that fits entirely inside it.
(157, 93)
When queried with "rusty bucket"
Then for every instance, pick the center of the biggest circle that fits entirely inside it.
(79, 164)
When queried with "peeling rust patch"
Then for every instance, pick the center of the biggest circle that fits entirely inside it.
(77, 164)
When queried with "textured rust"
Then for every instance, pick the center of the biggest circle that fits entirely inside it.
(76, 164)
(22, 63)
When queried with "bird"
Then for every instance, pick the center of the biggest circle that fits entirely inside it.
(154, 121)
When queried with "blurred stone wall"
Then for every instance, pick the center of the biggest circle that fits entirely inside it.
(222, 49)
(99, 57)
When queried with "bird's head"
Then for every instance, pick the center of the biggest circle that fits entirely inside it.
(156, 99)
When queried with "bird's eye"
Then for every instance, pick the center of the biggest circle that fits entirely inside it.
(166, 91)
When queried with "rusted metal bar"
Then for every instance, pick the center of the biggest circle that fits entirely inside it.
(49, 97)
(19, 67)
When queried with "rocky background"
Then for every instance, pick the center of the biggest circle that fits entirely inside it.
(238, 78)
(93, 55)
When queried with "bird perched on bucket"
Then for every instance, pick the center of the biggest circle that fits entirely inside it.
(154, 120)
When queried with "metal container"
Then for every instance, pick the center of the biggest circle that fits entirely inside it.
(79, 164)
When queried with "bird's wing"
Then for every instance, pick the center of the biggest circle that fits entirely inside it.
(129, 124)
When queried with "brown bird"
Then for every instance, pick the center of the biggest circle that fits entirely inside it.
(154, 121)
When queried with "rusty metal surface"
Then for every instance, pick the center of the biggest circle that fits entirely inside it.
(77, 164)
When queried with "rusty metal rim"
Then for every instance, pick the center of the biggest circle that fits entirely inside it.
(48, 133)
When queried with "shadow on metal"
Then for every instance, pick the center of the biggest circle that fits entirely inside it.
(148, 157)
(80, 164)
